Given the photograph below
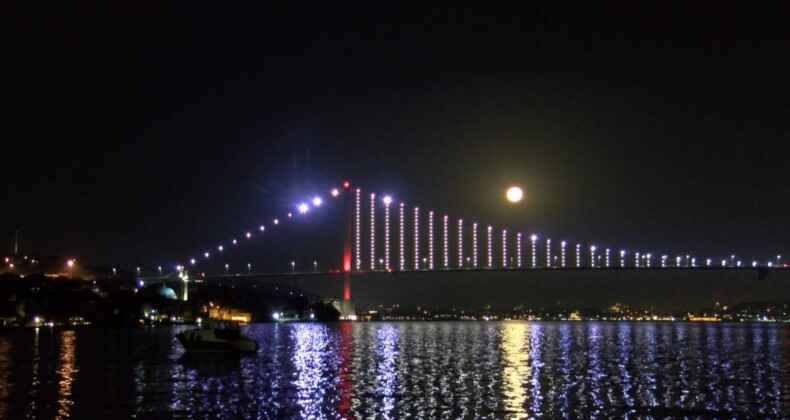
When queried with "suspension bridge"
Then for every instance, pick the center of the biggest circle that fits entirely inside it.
(381, 235)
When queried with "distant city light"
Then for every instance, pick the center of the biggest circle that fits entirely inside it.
(578, 255)
(562, 252)
(548, 253)
(592, 256)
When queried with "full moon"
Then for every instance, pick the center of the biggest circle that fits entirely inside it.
(514, 194)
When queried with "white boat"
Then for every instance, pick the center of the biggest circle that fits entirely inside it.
(216, 337)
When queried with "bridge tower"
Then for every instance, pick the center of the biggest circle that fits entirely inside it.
(347, 309)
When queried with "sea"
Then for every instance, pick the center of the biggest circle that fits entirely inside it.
(384, 370)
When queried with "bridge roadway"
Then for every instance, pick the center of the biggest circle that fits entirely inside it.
(665, 289)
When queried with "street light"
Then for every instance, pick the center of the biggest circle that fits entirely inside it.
(293, 266)
(70, 263)
(249, 268)
(315, 265)
(160, 270)
(227, 268)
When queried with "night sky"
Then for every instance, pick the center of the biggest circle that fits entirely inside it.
(136, 133)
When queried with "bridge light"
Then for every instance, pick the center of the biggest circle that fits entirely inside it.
(373, 231)
(262, 228)
(317, 201)
(335, 192)
(192, 261)
(302, 208)
(220, 248)
(430, 240)
(534, 239)
(578, 255)
(206, 254)
(234, 242)
(548, 253)
(460, 243)
(474, 243)
(622, 258)
(402, 235)
(346, 184)
(607, 258)
(504, 247)
(446, 239)
(276, 222)
(489, 229)
(416, 238)
(249, 235)
(358, 229)
(290, 214)
(518, 249)
(387, 201)
(562, 253)
(592, 256)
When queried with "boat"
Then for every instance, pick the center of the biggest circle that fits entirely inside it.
(216, 336)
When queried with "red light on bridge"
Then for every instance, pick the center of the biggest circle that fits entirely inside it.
(346, 184)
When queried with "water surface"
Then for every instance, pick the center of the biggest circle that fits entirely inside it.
(396, 370)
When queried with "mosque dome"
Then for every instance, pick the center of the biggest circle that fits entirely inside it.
(166, 292)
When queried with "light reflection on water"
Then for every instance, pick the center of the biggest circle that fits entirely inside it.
(396, 370)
